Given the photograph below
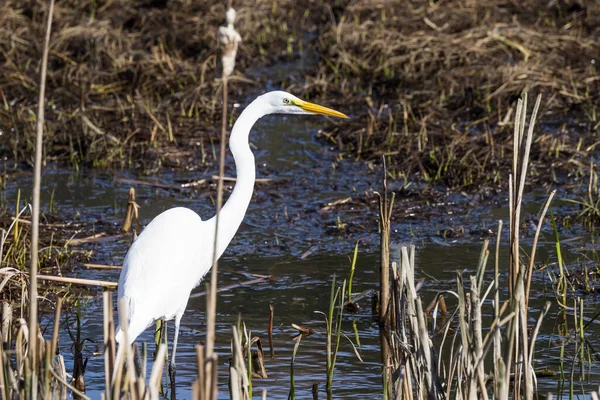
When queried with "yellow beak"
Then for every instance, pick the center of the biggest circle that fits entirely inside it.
(317, 109)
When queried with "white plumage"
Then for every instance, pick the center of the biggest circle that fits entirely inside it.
(174, 252)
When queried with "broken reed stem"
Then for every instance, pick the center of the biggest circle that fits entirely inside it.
(58, 310)
(78, 281)
(101, 266)
(270, 331)
(74, 281)
(240, 376)
(132, 212)
(35, 216)
(157, 370)
(77, 393)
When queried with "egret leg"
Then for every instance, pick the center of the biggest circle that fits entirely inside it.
(172, 363)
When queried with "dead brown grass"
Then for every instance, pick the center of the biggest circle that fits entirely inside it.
(431, 85)
(434, 84)
(57, 256)
(128, 81)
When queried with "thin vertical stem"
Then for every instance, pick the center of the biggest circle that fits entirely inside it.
(497, 337)
(385, 213)
(270, 331)
(212, 299)
(35, 217)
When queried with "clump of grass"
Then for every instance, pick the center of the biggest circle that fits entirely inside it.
(292, 394)
(334, 333)
(457, 364)
(55, 255)
(245, 360)
(17, 370)
(417, 365)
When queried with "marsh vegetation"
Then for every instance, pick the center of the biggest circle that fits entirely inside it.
(434, 89)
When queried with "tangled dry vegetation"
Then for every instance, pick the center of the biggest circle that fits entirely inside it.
(56, 256)
(434, 84)
(127, 81)
(431, 85)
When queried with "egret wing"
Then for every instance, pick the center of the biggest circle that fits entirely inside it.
(162, 266)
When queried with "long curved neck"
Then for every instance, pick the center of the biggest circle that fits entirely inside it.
(232, 213)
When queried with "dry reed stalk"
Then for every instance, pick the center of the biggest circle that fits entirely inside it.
(6, 339)
(4, 387)
(57, 311)
(232, 179)
(477, 340)
(201, 380)
(238, 379)
(132, 212)
(385, 214)
(151, 184)
(497, 335)
(98, 237)
(228, 38)
(214, 273)
(100, 266)
(157, 370)
(109, 341)
(35, 216)
(464, 374)
(411, 361)
(233, 286)
(121, 357)
(78, 281)
(52, 382)
(270, 331)
(6, 323)
(519, 338)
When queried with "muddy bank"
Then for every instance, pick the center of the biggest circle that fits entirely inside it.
(433, 85)
(131, 84)
(430, 86)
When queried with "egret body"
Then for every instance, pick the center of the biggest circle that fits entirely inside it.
(175, 251)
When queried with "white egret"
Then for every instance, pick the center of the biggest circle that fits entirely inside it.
(174, 252)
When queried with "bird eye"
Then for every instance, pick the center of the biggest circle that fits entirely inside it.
(287, 102)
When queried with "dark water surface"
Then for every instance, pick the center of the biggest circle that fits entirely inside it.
(287, 235)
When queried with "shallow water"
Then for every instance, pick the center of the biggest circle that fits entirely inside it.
(288, 236)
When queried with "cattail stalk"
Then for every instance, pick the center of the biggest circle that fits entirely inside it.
(35, 216)
(229, 39)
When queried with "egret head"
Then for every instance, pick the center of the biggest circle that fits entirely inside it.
(285, 103)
